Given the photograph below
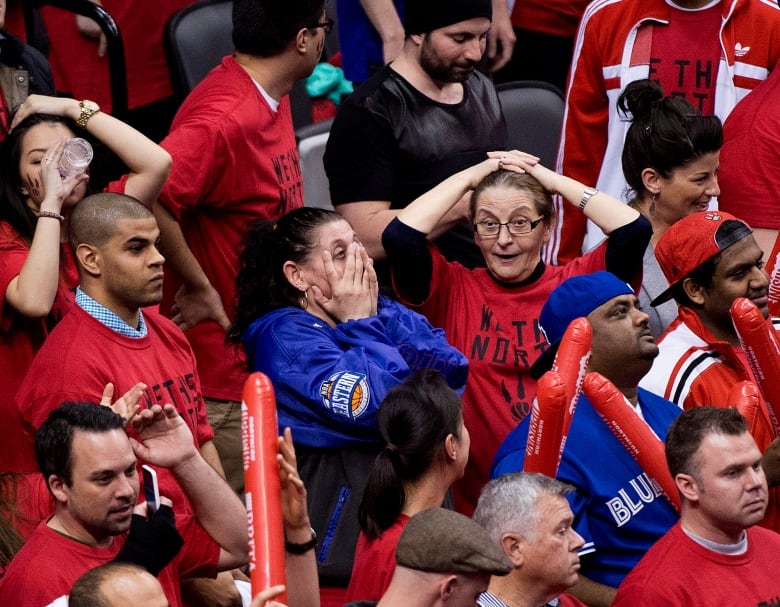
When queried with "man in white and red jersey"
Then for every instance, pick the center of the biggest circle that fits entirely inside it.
(709, 259)
(712, 52)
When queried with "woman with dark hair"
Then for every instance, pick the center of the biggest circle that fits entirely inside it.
(670, 162)
(309, 316)
(37, 270)
(426, 450)
(492, 313)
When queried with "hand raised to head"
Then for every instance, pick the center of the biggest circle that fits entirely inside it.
(351, 293)
(126, 405)
(166, 440)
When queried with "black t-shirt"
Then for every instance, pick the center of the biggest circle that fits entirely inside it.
(391, 142)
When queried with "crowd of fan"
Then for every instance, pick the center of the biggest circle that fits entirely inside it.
(406, 330)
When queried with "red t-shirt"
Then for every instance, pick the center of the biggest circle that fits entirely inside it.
(554, 17)
(686, 53)
(235, 161)
(678, 571)
(21, 337)
(48, 565)
(497, 328)
(81, 356)
(374, 563)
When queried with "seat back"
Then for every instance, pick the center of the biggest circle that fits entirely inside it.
(311, 149)
(534, 117)
(115, 46)
(196, 39)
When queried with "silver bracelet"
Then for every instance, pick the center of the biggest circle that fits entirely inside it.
(586, 196)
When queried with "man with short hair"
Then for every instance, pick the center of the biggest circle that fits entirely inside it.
(90, 467)
(235, 160)
(117, 585)
(618, 508)
(715, 555)
(527, 514)
(108, 338)
(425, 116)
(371, 35)
(444, 559)
(709, 259)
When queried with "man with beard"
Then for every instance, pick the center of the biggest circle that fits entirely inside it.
(617, 508)
(89, 465)
(715, 555)
(422, 118)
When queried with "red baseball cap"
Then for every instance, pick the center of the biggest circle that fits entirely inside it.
(691, 241)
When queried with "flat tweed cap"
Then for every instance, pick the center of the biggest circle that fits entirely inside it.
(443, 541)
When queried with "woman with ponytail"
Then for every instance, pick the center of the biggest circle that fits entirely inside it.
(426, 450)
(670, 162)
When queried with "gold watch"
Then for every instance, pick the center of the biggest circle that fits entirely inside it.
(88, 109)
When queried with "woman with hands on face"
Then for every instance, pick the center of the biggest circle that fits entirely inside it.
(309, 315)
(492, 313)
(37, 269)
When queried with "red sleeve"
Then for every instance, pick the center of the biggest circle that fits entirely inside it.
(32, 501)
(118, 187)
(13, 254)
(196, 150)
(584, 134)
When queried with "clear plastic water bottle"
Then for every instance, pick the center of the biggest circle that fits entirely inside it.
(75, 157)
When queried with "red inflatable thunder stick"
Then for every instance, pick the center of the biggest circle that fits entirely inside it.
(557, 393)
(762, 349)
(571, 364)
(260, 433)
(632, 432)
(546, 428)
(746, 398)
(773, 270)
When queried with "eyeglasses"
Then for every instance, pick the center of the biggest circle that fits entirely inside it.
(327, 25)
(516, 227)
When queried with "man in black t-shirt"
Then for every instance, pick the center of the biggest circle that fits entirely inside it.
(427, 115)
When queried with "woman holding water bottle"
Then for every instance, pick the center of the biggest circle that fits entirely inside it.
(37, 192)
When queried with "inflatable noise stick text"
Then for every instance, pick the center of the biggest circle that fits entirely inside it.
(259, 432)
(546, 428)
(632, 432)
(761, 345)
(571, 364)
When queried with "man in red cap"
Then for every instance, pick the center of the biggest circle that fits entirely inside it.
(709, 259)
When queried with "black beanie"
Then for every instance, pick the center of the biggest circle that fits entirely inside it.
(423, 16)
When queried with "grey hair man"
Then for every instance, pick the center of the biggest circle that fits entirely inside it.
(529, 517)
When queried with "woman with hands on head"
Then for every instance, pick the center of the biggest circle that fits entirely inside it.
(37, 269)
(492, 313)
(310, 316)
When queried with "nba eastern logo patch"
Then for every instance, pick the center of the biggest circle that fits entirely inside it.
(346, 394)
